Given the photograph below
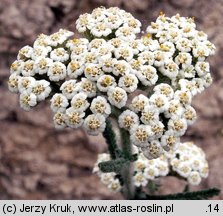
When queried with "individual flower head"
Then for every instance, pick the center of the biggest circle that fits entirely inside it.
(125, 33)
(169, 140)
(159, 101)
(149, 114)
(69, 88)
(105, 82)
(79, 102)
(135, 66)
(120, 68)
(59, 54)
(128, 119)
(28, 68)
(202, 68)
(83, 22)
(149, 43)
(92, 72)
(140, 135)
(117, 97)
(188, 85)
(94, 124)
(57, 71)
(96, 43)
(75, 68)
(88, 87)
(16, 67)
(59, 120)
(13, 83)
(168, 47)
(90, 57)
(140, 180)
(107, 178)
(39, 51)
(140, 164)
(183, 59)
(124, 52)
(27, 100)
(74, 118)
(178, 125)
(104, 52)
(139, 103)
(59, 103)
(42, 65)
(114, 21)
(183, 45)
(43, 41)
(187, 72)
(189, 114)
(115, 42)
(80, 52)
(175, 108)
(41, 89)
(164, 89)
(148, 75)
(199, 84)
(26, 84)
(25, 53)
(160, 58)
(151, 173)
(153, 150)
(106, 64)
(128, 82)
(201, 53)
(169, 69)
(101, 106)
(207, 80)
(133, 23)
(157, 127)
(59, 37)
(100, 30)
(115, 186)
(194, 178)
(137, 46)
(184, 97)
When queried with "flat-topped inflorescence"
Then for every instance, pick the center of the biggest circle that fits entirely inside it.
(146, 82)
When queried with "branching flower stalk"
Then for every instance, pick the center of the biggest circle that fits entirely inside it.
(144, 83)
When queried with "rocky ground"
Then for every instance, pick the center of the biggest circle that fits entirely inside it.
(38, 162)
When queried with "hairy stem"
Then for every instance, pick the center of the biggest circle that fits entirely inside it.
(127, 171)
(110, 138)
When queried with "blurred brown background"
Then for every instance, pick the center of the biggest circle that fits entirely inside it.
(38, 162)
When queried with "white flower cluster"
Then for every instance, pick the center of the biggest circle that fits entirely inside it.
(157, 123)
(186, 50)
(189, 162)
(36, 67)
(87, 79)
(144, 171)
(112, 22)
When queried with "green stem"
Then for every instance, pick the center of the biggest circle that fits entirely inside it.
(109, 136)
(127, 171)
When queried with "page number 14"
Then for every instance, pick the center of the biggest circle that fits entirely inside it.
(213, 208)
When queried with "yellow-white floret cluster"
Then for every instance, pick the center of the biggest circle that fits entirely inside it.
(188, 162)
(147, 82)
